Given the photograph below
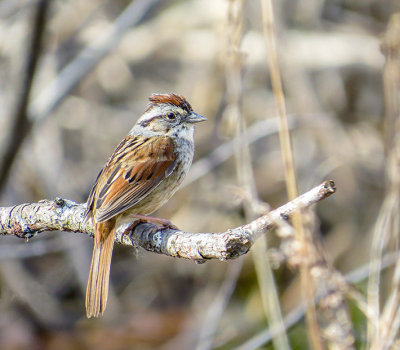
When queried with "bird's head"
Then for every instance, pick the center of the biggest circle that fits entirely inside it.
(170, 115)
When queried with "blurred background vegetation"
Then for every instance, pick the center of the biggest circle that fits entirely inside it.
(97, 63)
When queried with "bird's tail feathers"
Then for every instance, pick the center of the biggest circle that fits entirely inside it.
(99, 274)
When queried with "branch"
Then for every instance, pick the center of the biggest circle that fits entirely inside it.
(26, 220)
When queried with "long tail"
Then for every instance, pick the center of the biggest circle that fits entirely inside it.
(99, 274)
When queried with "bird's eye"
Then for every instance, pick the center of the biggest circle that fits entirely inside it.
(171, 116)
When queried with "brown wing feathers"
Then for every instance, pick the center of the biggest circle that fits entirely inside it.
(145, 165)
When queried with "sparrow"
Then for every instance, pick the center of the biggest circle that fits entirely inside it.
(142, 174)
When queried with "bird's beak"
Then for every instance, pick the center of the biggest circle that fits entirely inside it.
(195, 118)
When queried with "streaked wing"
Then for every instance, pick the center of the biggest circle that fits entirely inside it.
(137, 166)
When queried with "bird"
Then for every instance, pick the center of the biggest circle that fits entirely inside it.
(142, 174)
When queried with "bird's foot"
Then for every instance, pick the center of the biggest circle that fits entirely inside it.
(157, 221)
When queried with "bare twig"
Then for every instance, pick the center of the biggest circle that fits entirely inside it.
(21, 123)
(26, 220)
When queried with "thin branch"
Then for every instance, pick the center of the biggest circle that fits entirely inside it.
(88, 59)
(21, 123)
(224, 151)
(26, 220)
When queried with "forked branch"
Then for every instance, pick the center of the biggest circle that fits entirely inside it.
(27, 220)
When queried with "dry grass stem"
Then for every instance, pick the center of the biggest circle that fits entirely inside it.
(290, 173)
(387, 228)
(297, 313)
(233, 82)
(244, 170)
